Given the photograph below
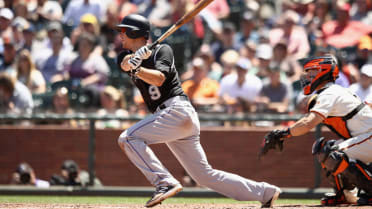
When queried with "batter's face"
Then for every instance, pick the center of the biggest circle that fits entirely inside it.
(125, 40)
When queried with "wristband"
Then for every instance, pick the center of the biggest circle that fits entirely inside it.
(287, 133)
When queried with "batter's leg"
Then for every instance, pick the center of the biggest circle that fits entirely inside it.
(190, 154)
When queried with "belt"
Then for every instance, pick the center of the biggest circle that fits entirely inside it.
(168, 101)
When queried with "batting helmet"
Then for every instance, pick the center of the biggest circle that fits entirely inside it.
(327, 71)
(135, 26)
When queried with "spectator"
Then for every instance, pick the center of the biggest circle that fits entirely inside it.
(88, 24)
(247, 30)
(72, 175)
(228, 61)
(344, 32)
(112, 103)
(78, 8)
(44, 12)
(6, 17)
(264, 53)
(28, 34)
(7, 61)
(54, 63)
(363, 52)
(88, 70)
(214, 68)
(361, 11)
(239, 90)
(25, 175)
(363, 88)
(289, 67)
(225, 41)
(54, 28)
(201, 90)
(14, 96)
(28, 74)
(294, 36)
(275, 96)
(249, 51)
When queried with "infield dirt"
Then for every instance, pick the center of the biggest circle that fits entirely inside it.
(163, 206)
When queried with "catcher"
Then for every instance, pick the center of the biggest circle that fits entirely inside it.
(347, 161)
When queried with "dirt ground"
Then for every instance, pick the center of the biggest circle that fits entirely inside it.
(164, 206)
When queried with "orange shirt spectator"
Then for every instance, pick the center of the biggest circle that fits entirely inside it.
(200, 89)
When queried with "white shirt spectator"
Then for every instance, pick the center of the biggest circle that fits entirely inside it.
(77, 8)
(248, 91)
(363, 88)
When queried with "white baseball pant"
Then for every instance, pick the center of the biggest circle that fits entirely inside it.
(178, 126)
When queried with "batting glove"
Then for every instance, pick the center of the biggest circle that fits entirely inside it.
(134, 62)
(143, 52)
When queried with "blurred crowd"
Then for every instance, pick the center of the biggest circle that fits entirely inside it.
(235, 56)
(70, 174)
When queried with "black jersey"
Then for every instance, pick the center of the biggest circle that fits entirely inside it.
(161, 59)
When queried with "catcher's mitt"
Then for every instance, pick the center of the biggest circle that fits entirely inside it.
(273, 140)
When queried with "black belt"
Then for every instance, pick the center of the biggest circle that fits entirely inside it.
(182, 98)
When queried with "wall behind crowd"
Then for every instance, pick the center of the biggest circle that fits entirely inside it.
(58, 56)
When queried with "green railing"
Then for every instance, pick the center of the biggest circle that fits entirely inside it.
(92, 118)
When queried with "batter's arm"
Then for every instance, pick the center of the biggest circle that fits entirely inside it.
(305, 124)
(152, 77)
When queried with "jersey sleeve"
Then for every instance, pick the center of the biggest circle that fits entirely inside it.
(324, 104)
(164, 59)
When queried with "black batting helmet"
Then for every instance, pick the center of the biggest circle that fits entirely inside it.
(135, 26)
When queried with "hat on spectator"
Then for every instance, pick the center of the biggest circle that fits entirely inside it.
(19, 23)
(248, 16)
(367, 70)
(230, 57)
(198, 62)
(6, 13)
(343, 6)
(365, 43)
(54, 25)
(89, 18)
(292, 16)
(264, 51)
(302, 1)
(112, 92)
(244, 63)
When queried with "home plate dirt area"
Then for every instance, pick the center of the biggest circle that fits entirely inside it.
(164, 206)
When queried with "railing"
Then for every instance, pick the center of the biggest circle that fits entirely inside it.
(92, 118)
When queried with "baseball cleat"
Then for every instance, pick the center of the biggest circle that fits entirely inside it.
(365, 200)
(270, 203)
(331, 199)
(162, 193)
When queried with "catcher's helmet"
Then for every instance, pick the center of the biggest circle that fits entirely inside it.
(327, 71)
(135, 26)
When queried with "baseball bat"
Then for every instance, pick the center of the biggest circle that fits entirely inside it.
(184, 19)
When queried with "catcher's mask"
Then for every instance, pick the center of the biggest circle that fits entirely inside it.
(317, 70)
(134, 26)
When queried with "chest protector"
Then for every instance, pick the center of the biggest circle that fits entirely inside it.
(339, 124)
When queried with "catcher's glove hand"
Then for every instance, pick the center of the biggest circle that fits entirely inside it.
(273, 140)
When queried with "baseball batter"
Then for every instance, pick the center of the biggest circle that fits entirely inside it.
(173, 122)
(347, 161)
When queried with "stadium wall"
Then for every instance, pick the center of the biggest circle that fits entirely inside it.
(233, 150)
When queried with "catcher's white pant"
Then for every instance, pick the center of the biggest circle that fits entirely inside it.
(178, 126)
(358, 148)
